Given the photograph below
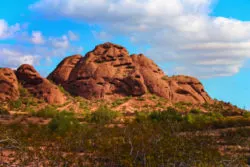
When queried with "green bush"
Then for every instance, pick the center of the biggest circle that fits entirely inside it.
(47, 112)
(246, 114)
(61, 88)
(195, 118)
(120, 101)
(168, 115)
(141, 116)
(102, 115)
(63, 122)
(140, 98)
(17, 104)
(23, 92)
(29, 101)
(4, 111)
(195, 111)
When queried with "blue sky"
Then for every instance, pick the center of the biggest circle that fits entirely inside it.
(203, 38)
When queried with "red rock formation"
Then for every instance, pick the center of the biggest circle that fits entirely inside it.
(8, 85)
(106, 71)
(63, 70)
(38, 86)
(109, 71)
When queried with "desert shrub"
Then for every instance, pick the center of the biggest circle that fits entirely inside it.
(153, 97)
(195, 111)
(63, 122)
(141, 116)
(83, 104)
(29, 101)
(4, 111)
(23, 92)
(16, 104)
(120, 101)
(29, 109)
(135, 144)
(61, 88)
(168, 115)
(246, 114)
(46, 112)
(182, 105)
(155, 145)
(102, 115)
(199, 121)
(140, 98)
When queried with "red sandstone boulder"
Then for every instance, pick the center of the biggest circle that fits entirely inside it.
(38, 86)
(185, 88)
(8, 85)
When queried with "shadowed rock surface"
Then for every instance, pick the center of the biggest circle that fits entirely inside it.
(38, 86)
(110, 72)
(8, 85)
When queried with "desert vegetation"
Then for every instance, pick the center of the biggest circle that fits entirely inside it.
(105, 137)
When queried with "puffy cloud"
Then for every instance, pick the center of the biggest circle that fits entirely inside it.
(7, 31)
(62, 42)
(178, 31)
(102, 36)
(13, 59)
(37, 38)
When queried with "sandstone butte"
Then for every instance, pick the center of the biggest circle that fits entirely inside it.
(110, 72)
(107, 72)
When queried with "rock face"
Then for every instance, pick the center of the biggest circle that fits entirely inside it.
(109, 72)
(8, 85)
(63, 70)
(38, 86)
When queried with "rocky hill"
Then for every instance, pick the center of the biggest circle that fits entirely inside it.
(107, 72)
(110, 72)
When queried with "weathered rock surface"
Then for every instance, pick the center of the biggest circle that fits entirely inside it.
(63, 70)
(109, 72)
(8, 85)
(38, 86)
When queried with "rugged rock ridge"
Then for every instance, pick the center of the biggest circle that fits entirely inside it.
(40, 87)
(110, 72)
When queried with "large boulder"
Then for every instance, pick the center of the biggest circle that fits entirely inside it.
(8, 85)
(185, 88)
(38, 86)
(110, 72)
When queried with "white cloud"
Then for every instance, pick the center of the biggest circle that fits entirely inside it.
(13, 59)
(37, 38)
(178, 31)
(7, 31)
(62, 42)
(102, 36)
